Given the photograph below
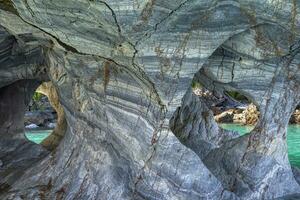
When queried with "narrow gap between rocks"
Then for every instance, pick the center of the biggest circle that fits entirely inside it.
(231, 110)
(40, 118)
(44, 120)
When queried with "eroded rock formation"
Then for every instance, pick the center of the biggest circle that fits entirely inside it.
(53, 140)
(121, 70)
(16, 152)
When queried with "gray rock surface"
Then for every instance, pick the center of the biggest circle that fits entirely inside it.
(16, 152)
(193, 123)
(123, 70)
(296, 172)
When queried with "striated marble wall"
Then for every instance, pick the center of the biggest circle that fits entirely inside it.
(123, 70)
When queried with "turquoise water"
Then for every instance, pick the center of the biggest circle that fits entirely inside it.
(37, 136)
(293, 139)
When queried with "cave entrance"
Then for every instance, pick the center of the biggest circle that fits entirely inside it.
(44, 120)
(235, 112)
(17, 153)
(232, 110)
(40, 118)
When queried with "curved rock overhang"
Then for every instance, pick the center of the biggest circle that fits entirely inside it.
(53, 140)
(122, 68)
(22, 69)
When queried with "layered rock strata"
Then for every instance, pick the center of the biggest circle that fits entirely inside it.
(53, 140)
(121, 70)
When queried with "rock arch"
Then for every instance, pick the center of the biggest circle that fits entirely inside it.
(120, 78)
(53, 140)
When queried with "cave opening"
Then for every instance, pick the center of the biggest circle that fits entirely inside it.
(18, 149)
(40, 118)
(16, 152)
(45, 121)
(232, 110)
(31, 110)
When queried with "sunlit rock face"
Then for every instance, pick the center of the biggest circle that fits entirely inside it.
(121, 70)
(52, 141)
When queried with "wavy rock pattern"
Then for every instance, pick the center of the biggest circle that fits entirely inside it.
(52, 141)
(121, 69)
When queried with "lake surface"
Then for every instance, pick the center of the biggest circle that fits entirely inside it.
(37, 136)
(293, 139)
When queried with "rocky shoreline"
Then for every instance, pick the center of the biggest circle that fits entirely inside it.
(248, 116)
(228, 110)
